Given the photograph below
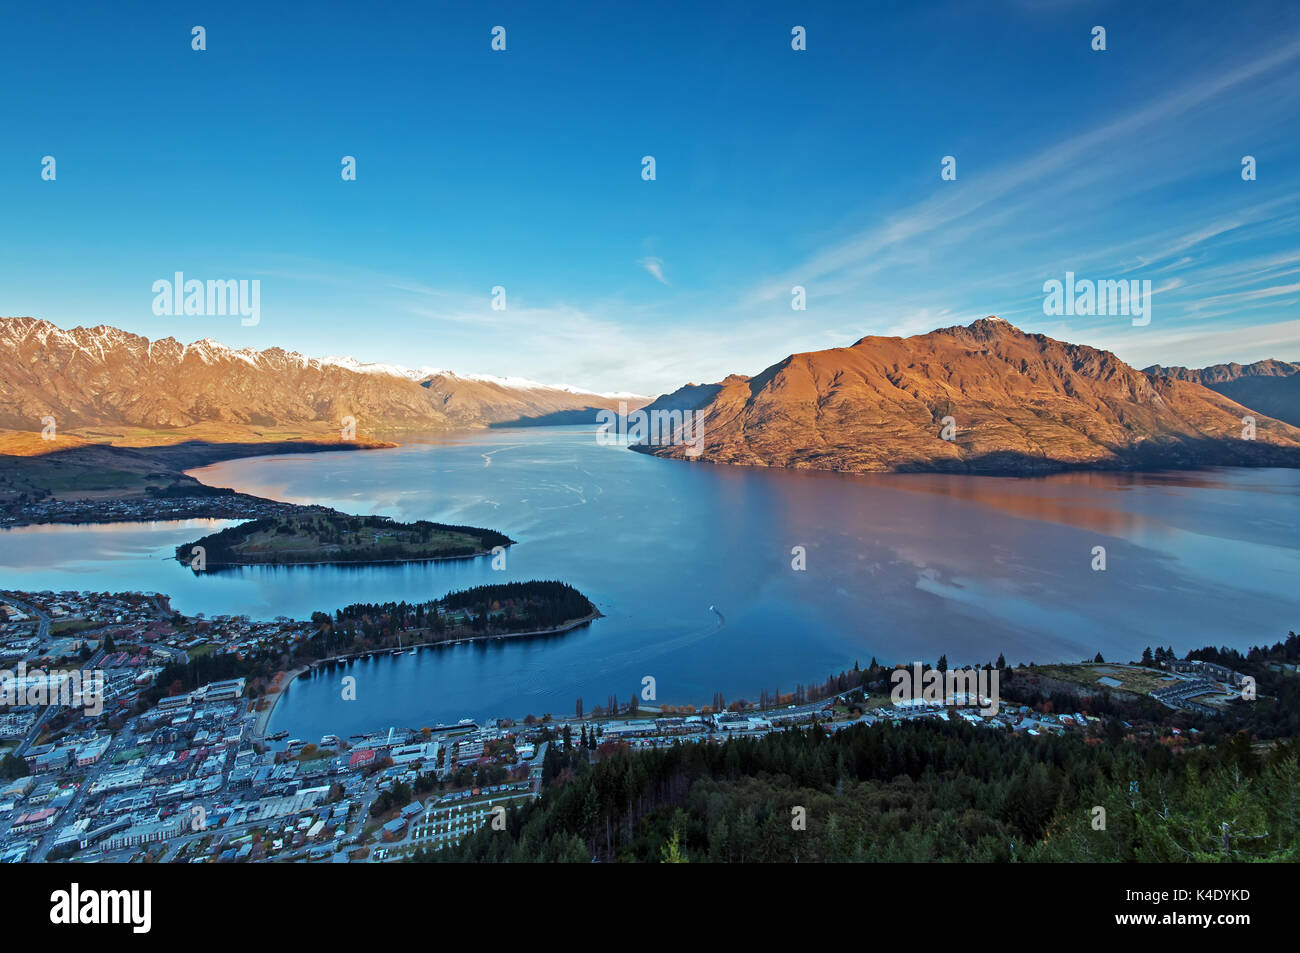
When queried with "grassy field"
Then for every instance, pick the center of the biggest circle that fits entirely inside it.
(1139, 681)
(121, 462)
(81, 472)
(301, 535)
(65, 626)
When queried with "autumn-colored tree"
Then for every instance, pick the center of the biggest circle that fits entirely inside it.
(671, 852)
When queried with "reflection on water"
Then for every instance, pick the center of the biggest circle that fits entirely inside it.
(899, 567)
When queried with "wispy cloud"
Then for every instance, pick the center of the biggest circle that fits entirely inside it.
(1197, 347)
(1118, 197)
(1088, 154)
(655, 266)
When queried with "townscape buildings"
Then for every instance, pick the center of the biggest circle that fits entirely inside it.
(190, 777)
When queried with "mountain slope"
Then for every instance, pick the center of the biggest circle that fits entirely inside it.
(488, 401)
(102, 376)
(1271, 387)
(1020, 403)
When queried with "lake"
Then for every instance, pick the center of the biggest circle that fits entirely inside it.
(692, 566)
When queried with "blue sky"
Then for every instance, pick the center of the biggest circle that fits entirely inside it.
(774, 168)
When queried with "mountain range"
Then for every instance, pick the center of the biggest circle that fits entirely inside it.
(1011, 402)
(106, 377)
(986, 398)
(1272, 387)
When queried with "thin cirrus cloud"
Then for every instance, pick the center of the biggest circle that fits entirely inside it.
(1124, 197)
(1203, 347)
(1055, 210)
(655, 266)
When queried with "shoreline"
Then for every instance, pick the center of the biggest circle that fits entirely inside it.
(348, 562)
(566, 626)
(205, 502)
(1048, 468)
(183, 496)
(810, 707)
(264, 716)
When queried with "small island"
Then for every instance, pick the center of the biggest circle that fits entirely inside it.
(319, 538)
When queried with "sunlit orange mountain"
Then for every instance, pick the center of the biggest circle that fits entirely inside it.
(1018, 403)
(106, 377)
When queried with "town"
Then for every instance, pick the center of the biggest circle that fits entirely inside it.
(161, 773)
(174, 504)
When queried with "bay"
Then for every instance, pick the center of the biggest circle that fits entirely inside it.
(693, 568)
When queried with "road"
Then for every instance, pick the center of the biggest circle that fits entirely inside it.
(122, 740)
(42, 633)
(444, 823)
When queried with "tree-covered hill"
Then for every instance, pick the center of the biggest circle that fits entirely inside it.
(926, 791)
(328, 537)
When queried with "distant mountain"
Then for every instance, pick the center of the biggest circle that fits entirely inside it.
(480, 400)
(1271, 387)
(1019, 403)
(690, 396)
(102, 376)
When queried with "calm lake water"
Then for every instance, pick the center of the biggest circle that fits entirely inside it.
(691, 565)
